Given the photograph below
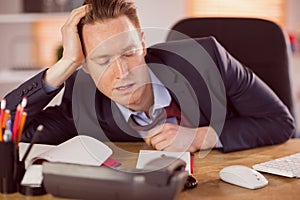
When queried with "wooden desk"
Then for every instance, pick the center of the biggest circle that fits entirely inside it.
(207, 172)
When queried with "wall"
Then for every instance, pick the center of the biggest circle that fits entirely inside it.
(158, 16)
(11, 6)
(293, 16)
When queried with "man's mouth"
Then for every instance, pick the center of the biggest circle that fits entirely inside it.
(124, 87)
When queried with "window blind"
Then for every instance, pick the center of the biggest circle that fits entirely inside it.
(273, 10)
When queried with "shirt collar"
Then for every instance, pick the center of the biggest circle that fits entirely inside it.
(162, 98)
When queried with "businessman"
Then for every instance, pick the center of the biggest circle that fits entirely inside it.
(221, 103)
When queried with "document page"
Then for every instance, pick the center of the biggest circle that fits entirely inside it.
(36, 150)
(81, 149)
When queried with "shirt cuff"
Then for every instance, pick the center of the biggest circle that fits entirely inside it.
(219, 143)
(48, 88)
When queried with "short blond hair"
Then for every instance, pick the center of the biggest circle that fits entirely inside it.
(108, 9)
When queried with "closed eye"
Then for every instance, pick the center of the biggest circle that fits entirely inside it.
(130, 52)
(102, 61)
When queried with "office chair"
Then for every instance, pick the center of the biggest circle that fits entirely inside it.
(259, 44)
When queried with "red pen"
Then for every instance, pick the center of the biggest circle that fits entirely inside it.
(16, 123)
(3, 105)
(18, 116)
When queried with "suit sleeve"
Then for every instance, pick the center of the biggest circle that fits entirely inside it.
(57, 120)
(255, 115)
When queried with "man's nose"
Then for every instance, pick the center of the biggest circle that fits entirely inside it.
(122, 68)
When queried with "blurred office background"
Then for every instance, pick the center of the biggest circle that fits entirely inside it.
(30, 29)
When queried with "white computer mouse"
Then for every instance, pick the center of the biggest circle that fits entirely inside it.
(243, 176)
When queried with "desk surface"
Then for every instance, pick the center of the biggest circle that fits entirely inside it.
(207, 167)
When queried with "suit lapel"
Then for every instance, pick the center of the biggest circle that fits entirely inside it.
(180, 90)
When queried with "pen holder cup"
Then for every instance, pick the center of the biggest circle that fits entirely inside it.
(11, 170)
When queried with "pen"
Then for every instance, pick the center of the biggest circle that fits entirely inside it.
(33, 140)
(16, 123)
(6, 115)
(7, 137)
(3, 105)
(18, 116)
(4, 119)
(21, 127)
(23, 104)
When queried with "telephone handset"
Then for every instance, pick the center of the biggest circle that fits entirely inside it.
(172, 166)
(163, 169)
(162, 178)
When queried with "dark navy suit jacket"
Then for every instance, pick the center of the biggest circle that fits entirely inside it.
(211, 87)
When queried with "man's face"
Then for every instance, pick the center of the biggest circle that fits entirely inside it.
(115, 60)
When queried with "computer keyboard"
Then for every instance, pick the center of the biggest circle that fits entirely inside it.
(288, 166)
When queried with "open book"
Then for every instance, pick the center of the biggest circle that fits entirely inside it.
(81, 149)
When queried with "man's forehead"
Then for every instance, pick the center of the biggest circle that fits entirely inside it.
(117, 44)
(110, 30)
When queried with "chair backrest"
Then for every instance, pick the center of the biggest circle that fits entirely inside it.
(259, 44)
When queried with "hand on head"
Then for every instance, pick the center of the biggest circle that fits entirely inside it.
(73, 56)
(70, 36)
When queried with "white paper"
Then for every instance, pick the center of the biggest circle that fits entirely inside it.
(81, 149)
(36, 150)
(147, 155)
(33, 176)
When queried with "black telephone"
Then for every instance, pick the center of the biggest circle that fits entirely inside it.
(162, 178)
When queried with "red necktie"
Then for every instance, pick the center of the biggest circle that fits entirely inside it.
(173, 111)
(169, 112)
